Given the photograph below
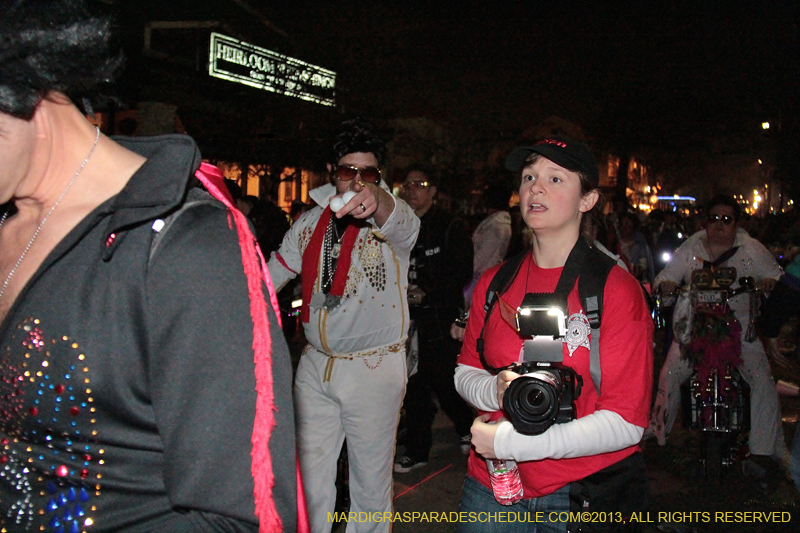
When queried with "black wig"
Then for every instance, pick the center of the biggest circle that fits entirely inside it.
(358, 135)
(51, 45)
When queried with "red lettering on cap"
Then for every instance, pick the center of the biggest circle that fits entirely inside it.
(553, 141)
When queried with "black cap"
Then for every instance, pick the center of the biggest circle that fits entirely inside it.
(562, 150)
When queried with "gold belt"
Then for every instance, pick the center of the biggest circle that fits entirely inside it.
(397, 347)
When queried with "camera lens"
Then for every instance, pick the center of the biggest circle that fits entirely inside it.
(536, 398)
(532, 401)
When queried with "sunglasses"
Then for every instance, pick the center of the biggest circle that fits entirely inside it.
(416, 184)
(348, 172)
(725, 219)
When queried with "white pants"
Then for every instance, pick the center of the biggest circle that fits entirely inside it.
(766, 433)
(361, 402)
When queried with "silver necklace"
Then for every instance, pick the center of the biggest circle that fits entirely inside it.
(332, 246)
(41, 224)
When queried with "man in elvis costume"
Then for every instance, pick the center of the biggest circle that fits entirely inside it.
(351, 378)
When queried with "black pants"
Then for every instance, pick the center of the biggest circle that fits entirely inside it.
(437, 359)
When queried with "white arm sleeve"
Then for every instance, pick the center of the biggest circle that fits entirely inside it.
(600, 432)
(477, 386)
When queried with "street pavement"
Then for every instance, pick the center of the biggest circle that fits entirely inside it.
(435, 486)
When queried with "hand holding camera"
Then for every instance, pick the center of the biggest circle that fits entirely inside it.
(504, 379)
(456, 332)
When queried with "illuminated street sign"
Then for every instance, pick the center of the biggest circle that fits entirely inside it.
(234, 60)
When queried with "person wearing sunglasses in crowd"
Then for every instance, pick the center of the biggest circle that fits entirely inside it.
(724, 244)
(353, 261)
(558, 181)
(441, 264)
(145, 382)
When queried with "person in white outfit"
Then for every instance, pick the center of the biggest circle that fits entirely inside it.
(723, 235)
(352, 375)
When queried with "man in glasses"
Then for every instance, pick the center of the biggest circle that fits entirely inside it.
(352, 374)
(724, 244)
(441, 265)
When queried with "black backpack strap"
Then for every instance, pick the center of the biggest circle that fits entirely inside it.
(591, 284)
(194, 198)
(500, 283)
(576, 263)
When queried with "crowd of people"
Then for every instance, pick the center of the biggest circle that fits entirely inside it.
(146, 382)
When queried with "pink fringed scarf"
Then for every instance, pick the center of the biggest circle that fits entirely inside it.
(255, 269)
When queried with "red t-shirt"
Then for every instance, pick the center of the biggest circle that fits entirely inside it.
(626, 362)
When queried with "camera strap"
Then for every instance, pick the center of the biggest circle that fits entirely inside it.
(586, 265)
(721, 259)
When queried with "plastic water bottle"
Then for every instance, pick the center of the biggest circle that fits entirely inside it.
(506, 483)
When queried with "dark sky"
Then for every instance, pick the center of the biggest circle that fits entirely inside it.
(681, 86)
(649, 73)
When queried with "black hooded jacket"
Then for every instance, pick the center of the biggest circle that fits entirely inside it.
(128, 384)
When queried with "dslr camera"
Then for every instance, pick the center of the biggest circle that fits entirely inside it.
(546, 390)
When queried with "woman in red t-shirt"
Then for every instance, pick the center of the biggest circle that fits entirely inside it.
(558, 180)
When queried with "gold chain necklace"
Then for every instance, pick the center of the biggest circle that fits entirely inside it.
(41, 224)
